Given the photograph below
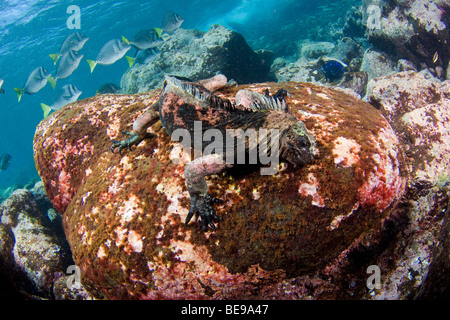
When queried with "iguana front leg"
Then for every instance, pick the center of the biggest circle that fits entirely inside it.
(201, 201)
(139, 133)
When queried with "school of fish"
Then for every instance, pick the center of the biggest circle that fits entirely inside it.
(68, 59)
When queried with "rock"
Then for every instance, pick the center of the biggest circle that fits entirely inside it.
(355, 65)
(198, 55)
(356, 81)
(305, 70)
(354, 26)
(429, 75)
(6, 247)
(346, 50)
(61, 290)
(123, 215)
(448, 71)
(418, 110)
(302, 70)
(314, 50)
(409, 29)
(35, 253)
(377, 64)
(439, 271)
(405, 65)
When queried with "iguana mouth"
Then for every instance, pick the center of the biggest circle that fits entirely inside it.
(195, 94)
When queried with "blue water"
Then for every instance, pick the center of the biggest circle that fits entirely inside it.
(30, 30)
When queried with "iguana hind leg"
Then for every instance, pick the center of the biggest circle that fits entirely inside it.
(201, 201)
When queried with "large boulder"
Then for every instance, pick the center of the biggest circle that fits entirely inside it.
(123, 214)
(199, 55)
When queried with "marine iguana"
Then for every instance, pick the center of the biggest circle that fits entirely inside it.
(182, 103)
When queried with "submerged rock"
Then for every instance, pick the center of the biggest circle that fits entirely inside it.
(410, 29)
(34, 251)
(355, 81)
(377, 64)
(199, 55)
(123, 215)
(75, 290)
(346, 50)
(418, 110)
(314, 50)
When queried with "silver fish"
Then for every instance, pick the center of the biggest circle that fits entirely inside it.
(108, 88)
(171, 22)
(67, 94)
(75, 42)
(36, 81)
(4, 161)
(145, 39)
(112, 51)
(67, 65)
(143, 56)
(1, 83)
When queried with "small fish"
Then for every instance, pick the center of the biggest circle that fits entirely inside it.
(171, 22)
(143, 56)
(333, 70)
(1, 83)
(145, 39)
(4, 161)
(111, 52)
(67, 94)
(108, 88)
(36, 81)
(435, 57)
(67, 65)
(75, 42)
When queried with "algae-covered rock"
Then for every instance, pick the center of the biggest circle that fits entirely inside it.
(67, 288)
(34, 251)
(123, 215)
(411, 29)
(377, 64)
(199, 55)
(419, 110)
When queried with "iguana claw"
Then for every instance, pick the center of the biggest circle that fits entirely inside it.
(133, 140)
(202, 205)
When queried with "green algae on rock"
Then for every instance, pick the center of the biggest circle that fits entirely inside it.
(123, 216)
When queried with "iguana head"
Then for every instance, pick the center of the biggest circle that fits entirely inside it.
(297, 146)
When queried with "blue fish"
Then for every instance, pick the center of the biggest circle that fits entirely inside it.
(333, 70)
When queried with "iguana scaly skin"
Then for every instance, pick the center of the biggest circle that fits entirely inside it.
(183, 103)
